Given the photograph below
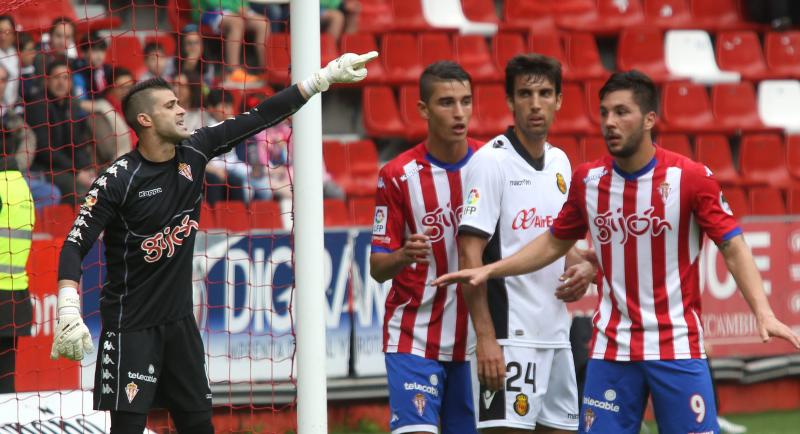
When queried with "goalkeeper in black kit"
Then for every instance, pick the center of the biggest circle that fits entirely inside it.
(148, 203)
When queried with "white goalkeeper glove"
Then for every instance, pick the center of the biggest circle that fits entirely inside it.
(72, 338)
(347, 68)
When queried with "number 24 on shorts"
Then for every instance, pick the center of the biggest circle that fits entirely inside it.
(530, 376)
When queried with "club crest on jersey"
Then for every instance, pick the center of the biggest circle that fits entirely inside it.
(131, 389)
(664, 190)
(379, 222)
(521, 405)
(562, 185)
(185, 170)
(419, 402)
(588, 418)
(471, 204)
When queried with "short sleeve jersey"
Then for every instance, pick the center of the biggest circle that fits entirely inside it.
(511, 202)
(416, 192)
(647, 228)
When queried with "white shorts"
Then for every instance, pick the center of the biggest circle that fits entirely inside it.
(540, 388)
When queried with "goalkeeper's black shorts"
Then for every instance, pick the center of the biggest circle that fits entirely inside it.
(158, 367)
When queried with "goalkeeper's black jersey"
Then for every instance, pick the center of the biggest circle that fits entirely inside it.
(149, 213)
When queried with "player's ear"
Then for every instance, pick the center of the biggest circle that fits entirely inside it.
(144, 120)
(422, 108)
(650, 120)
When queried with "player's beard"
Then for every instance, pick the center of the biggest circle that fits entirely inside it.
(629, 146)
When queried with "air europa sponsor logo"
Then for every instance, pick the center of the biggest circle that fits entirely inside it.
(167, 239)
(527, 218)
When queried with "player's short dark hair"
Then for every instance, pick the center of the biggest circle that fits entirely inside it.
(643, 88)
(152, 47)
(138, 100)
(61, 20)
(218, 96)
(444, 70)
(536, 65)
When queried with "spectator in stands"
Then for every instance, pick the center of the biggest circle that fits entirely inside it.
(95, 73)
(9, 58)
(18, 139)
(112, 135)
(237, 178)
(31, 85)
(190, 60)
(59, 42)
(231, 19)
(190, 94)
(62, 136)
(339, 16)
(157, 62)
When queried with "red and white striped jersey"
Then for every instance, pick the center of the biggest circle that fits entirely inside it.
(647, 228)
(415, 192)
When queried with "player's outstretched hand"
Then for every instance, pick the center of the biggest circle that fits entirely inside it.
(576, 281)
(347, 68)
(491, 364)
(72, 338)
(772, 327)
(473, 276)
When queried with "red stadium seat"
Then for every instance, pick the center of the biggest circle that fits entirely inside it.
(364, 43)
(549, 44)
(58, 219)
(523, 15)
(362, 210)
(179, 13)
(676, 143)
(335, 211)
(766, 201)
(642, 48)
(735, 108)
(472, 53)
(782, 50)
(686, 108)
(408, 16)
(762, 161)
(592, 93)
(278, 60)
(335, 158)
(353, 165)
(381, 113)
(737, 200)
(208, 219)
(480, 11)
(793, 155)
(570, 146)
(583, 57)
(33, 18)
(416, 128)
(363, 158)
(376, 16)
(265, 214)
(714, 151)
(716, 15)
(328, 49)
(740, 51)
(793, 201)
(505, 46)
(490, 113)
(610, 17)
(126, 51)
(166, 40)
(572, 118)
(435, 46)
(667, 14)
(232, 215)
(400, 57)
(593, 148)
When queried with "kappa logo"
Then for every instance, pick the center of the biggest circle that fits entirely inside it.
(411, 172)
(488, 397)
(167, 239)
(75, 235)
(185, 170)
(80, 221)
(107, 390)
(596, 176)
(102, 181)
(107, 360)
(107, 375)
(108, 346)
(151, 192)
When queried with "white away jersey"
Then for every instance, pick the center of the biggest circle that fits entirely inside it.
(510, 202)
